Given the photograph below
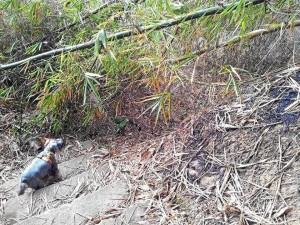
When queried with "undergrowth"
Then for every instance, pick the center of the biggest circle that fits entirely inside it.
(87, 84)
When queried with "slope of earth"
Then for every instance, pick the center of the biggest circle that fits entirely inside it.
(226, 160)
(234, 161)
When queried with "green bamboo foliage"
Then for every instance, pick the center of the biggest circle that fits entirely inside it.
(143, 60)
(161, 104)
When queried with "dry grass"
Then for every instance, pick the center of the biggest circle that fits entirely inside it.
(235, 163)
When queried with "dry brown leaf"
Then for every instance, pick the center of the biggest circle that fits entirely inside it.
(147, 154)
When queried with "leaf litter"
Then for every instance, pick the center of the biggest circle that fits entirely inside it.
(232, 162)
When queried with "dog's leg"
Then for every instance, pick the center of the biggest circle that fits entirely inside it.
(39, 183)
(56, 174)
(21, 188)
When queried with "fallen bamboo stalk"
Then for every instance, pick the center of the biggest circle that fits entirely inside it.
(238, 39)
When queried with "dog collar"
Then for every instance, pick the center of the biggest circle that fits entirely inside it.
(47, 158)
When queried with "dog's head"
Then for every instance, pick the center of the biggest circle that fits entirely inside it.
(53, 144)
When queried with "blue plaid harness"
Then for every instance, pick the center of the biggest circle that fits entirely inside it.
(42, 168)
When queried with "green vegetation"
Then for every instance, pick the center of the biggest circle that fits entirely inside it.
(93, 81)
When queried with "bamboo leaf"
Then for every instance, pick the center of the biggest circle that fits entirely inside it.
(112, 55)
(93, 75)
(103, 38)
(33, 48)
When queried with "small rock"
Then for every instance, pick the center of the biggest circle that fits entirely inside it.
(192, 173)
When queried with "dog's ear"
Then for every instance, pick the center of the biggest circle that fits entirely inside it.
(43, 141)
(46, 140)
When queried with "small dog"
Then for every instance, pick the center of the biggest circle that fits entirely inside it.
(43, 169)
